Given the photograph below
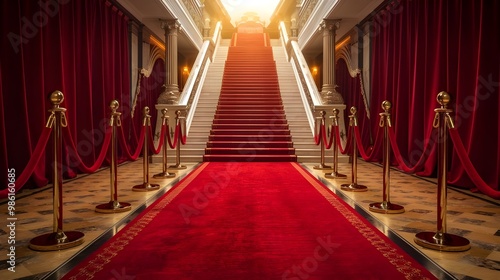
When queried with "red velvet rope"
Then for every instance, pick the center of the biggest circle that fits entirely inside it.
(402, 164)
(469, 168)
(30, 167)
(183, 134)
(376, 146)
(327, 142)
(160, 144)
(361, 149)
(339, 141)
(176, 137)
(317, 135)
(74, 152)
(138, 150)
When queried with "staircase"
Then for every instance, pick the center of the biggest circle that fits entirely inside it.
(202, 120)
(250, 123)
(303, 140)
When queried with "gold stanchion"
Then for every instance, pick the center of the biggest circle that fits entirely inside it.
(178, 122)
(113, 206)
(165, 173)
(58, 239)
(386, 207)
(335, 123)
(354, 186)
(441, 240)
(146, 186)
(321, 165)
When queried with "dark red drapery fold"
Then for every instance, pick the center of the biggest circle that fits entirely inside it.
(78, 47)
(420, 48)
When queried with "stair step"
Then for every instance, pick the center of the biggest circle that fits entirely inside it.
(250, 138)
(250, 121)
(249, 151)
(250, 126)
(252, 158)
(265, 131)
(246, 103)
(250, 116)
(270, 111)
(257, 144)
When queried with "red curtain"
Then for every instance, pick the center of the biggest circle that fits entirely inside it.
(420, 48)
(150, 89)
(351, 90)
(78, 47)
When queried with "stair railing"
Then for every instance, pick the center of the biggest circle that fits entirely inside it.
(188, 99)
(192, 89)
(308, 90)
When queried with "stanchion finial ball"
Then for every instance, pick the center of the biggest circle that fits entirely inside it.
(146, 110)
(164, 111)
(335, 111)
(114, 104)
(386, 105)
(56, 97)
(354, 110)
(443, 98)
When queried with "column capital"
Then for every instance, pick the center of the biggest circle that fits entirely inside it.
(329, 24)
(170, 24)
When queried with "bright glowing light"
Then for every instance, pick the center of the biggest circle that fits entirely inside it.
(237, 8)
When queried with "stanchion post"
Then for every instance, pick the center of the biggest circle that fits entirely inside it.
(354, 186)
(58, 239)
(321, 165)
(164, 173)
(146, 186)
(335, 123)
(113, 206)
(179, 122)
(440, 239)
(386, 207)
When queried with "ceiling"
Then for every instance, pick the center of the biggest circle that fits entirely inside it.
(351, 12)
(149, 12)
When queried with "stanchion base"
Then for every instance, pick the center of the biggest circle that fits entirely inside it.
(386, 208)
(321, 166)
(113, 207)
(146, 187)
(353, 187)
(335, 175)
(57, 241)
(164, 175)
(442, 241)
(177, 166)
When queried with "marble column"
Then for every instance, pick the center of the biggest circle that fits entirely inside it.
(329, 92)
(170, 94)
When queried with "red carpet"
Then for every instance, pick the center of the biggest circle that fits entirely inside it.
(249, 221)
(250, 122)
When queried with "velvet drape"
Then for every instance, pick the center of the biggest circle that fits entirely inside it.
(420, 48)
(78, 47)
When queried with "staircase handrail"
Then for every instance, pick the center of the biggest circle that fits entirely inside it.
(192, 89)
(308, 90)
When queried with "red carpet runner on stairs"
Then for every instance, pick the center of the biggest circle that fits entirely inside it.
(250, 122)
(244, 221)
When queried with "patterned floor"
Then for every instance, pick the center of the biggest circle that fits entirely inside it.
(473, 216)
